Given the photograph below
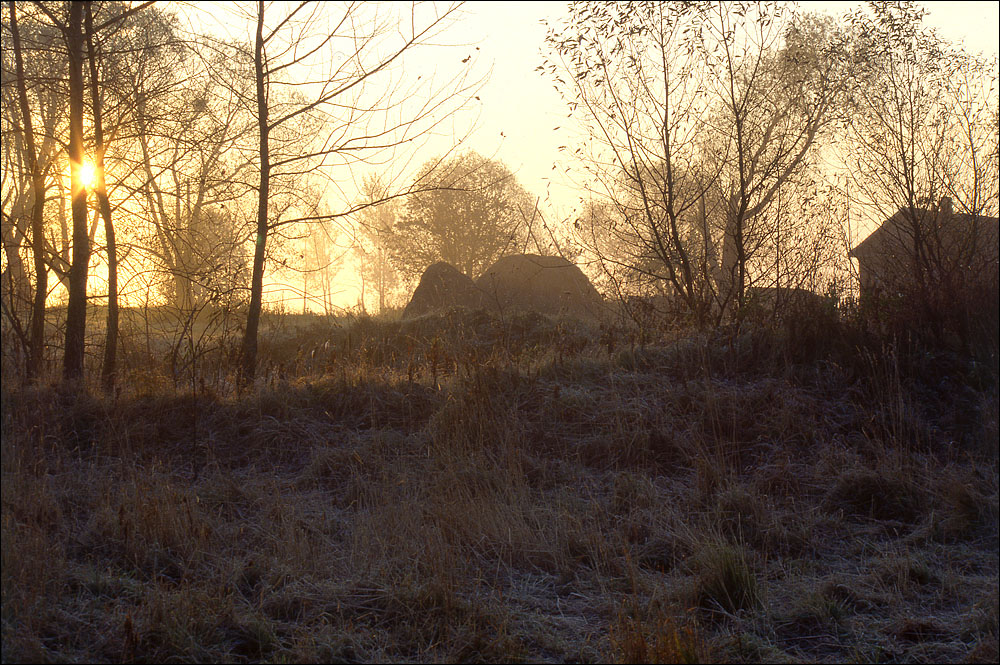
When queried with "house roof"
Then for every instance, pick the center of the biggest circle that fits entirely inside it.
(896, 232)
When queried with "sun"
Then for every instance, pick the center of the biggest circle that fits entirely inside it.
(88, 174)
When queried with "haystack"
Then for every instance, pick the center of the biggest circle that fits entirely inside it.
(547, 284)
(442, 286)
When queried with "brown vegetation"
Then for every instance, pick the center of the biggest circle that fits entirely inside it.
(463, 487)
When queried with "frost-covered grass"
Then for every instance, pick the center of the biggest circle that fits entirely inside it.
(460, 488)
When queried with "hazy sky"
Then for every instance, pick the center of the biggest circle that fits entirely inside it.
(519, 109)
(522, 103)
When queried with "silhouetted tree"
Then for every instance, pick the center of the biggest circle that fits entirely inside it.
(923, 153)
(376, 228)
(696, 115)
(190, 147)
(472, 211)
(76, 309)
(36, 344)
(332, 124)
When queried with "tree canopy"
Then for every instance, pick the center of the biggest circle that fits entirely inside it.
(467, 210)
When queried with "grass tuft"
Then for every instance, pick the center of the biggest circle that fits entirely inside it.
(725, 580)
(658, 639)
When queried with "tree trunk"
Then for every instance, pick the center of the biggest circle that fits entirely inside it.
(76, 311)
(381, 279)
(108, 369)
(37, 327)
(249, 352)
(15, 289)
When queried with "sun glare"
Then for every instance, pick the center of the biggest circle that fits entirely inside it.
(88, 174)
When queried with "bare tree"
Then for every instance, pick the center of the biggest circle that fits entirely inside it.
(44, 65)
(333, 119)
(322, 257)
(194, 191)
(780, 86)
(37, 327)
(108, 369)
(632, 75)
(376, 228)
(99, 43)
(72, 29)
(696, 116)
(968, 165)
(76, 311)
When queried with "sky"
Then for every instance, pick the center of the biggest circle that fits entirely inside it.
(518, 109)
(522, 104)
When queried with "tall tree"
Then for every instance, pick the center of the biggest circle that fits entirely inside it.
(108, 368)
(76, 310)
(340, 119)
(376, 228)
(471, 212)
(633, 78)
(37, 326)
(249, 348)
(696, 115)
(192, 131)
(780, 85)
(322, 258)
(45, 64)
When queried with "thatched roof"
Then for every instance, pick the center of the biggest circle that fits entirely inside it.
(547, 284)
(442, 286)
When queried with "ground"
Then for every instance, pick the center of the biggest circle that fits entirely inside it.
(465, 488)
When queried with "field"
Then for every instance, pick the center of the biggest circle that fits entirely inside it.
(471, 488)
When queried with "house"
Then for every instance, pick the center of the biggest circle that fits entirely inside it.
(931, 252)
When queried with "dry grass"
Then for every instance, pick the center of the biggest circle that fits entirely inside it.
(465, 489)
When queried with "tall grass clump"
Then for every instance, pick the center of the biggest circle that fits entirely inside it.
(724, 579)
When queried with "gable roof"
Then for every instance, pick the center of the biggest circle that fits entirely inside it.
(955, 232)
